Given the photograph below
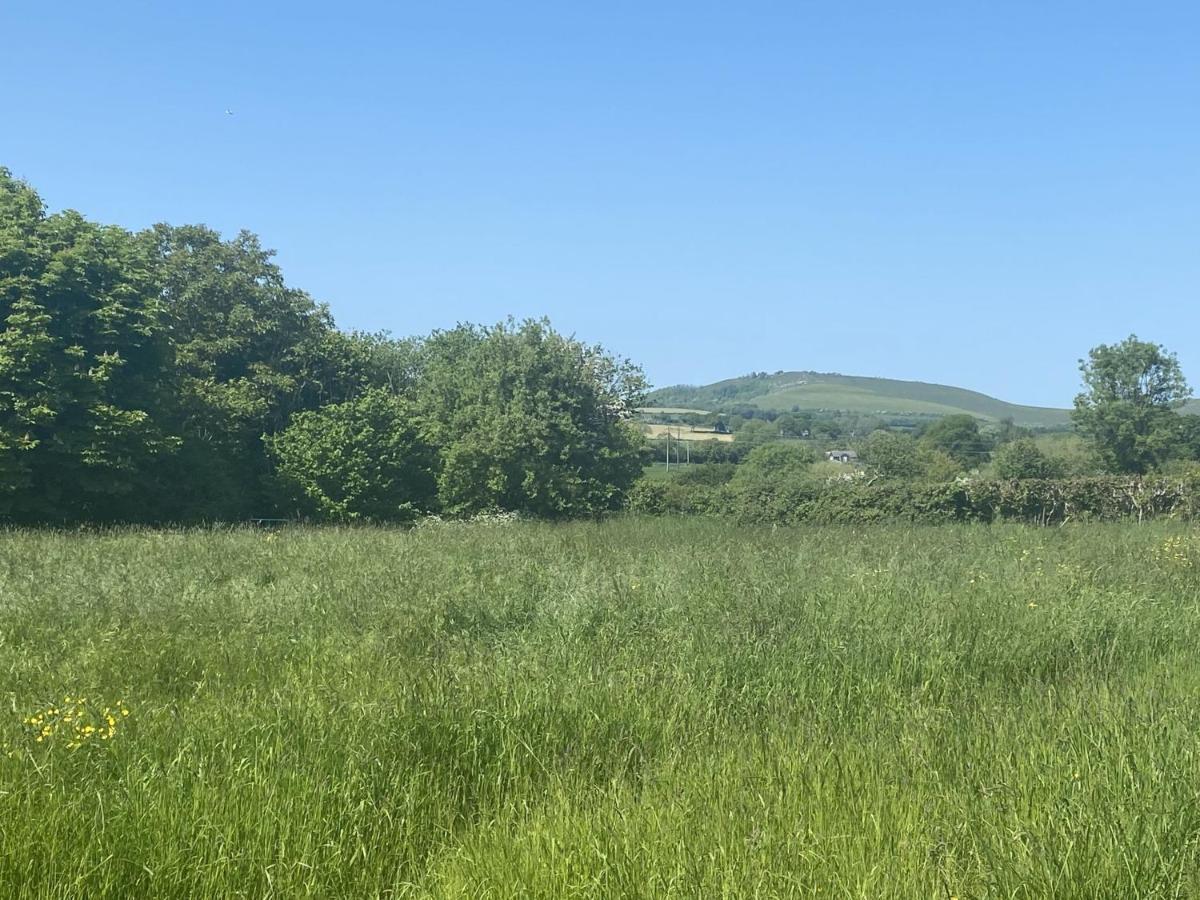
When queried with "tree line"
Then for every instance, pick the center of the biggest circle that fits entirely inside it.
(170, 375)
(1142, 460)
(1128, 416)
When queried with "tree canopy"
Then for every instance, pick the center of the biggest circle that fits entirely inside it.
(958, 436)
(1023, 458)
(86, 365)
(777, 461)
(892, 455)
(173, 375)
(362, 459)
(1127, 409)
(529, 420)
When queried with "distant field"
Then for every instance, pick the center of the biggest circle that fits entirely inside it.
(660, 708)
(671, 411)
(660, 471)
(683, 433)
(875, 396)
(850, 399)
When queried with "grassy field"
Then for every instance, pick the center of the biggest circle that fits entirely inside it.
(660, 471)
(633, 709)
(875, 396)
(670, 411)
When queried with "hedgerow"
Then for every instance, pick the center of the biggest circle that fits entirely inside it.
(1036, 501)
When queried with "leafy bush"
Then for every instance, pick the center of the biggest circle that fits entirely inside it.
(1036, 501)
(674, 498)
(710, 474)
(362, 459)
(1023, 459)
(892, 455)
(529, 420)
(776, 461)
(957, 436)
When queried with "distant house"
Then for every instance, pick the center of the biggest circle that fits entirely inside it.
(841, 456)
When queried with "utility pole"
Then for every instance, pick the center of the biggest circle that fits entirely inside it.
(668, 449)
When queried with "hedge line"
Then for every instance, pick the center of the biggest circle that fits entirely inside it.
(1040, 501)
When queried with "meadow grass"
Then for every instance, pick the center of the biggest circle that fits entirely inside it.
(640, 708)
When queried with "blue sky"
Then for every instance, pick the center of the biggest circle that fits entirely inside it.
(971, 193)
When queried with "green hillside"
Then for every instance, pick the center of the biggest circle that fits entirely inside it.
(877, 396)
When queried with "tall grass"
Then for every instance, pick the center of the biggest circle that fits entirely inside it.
(662, 708)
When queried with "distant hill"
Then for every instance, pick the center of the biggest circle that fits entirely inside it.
(812, 391)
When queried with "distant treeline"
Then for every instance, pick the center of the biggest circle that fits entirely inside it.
(1138, 458)
(169, 375)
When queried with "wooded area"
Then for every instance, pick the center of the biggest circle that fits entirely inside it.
(169, 375)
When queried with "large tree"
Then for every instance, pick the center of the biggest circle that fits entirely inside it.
(1023, 458)
(250, 352)
(144, 376)
(895, 455)
(891, 454)
(529, 420)
(1128, 409)
(957, 436)
(85, 366)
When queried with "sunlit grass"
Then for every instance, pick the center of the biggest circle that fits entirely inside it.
(639, 708)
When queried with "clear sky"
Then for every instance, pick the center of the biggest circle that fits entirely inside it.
(963, 192)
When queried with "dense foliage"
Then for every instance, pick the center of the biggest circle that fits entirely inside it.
(366, 458)
(530, 420)
(776, 462)
(171, 375)
(896, 455)
(1128, 409)
(957, 436)
(86, 365)
(1023, 458)
(856, 501)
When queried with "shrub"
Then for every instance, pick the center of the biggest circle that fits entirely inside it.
(1023, 459)
(710, 474)
(529, 420)
(674, 498)
(363, 459)
(775, 462)
(892, 455)
(959, 437)
(1036, 501)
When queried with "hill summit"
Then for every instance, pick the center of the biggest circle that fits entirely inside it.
(823, 391)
